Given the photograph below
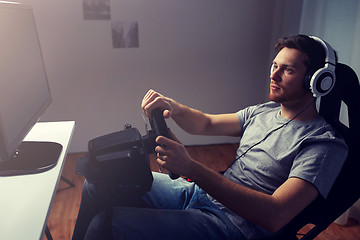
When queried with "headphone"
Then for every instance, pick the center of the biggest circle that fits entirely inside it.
(320, 82)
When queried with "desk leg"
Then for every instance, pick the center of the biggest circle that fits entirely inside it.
(48, 234)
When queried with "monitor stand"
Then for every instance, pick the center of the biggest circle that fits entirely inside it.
(31, 158)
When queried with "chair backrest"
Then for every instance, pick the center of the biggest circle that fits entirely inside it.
(345, 191)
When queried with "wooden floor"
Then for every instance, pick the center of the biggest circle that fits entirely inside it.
(67, 200)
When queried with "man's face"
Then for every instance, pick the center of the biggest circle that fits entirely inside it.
(287, 76)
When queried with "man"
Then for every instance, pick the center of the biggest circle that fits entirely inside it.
(287, 156)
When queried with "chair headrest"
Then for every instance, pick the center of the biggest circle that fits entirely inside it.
(347, 90)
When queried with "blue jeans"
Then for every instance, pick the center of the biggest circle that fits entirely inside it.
(172, 209)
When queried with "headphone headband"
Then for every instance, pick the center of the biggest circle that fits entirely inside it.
(330, 53)
(322, 81)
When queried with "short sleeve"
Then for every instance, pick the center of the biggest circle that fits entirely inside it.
(319, 162)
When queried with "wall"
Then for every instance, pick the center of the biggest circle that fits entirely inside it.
(338, 22)
(286, 22)
(209, 54)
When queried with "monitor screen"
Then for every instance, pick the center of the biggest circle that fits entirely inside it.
(24, 89)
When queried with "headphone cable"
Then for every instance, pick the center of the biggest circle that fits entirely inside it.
(272, 131)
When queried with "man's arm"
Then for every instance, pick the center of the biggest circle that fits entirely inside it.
(191, 120)
(270, 211)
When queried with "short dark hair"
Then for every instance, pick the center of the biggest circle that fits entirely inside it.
(313, 49)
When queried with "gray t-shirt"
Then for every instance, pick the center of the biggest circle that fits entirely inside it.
(273, 149)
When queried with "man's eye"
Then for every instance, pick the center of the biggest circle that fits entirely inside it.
(288, 70)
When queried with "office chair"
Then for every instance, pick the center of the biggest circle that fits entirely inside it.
(346, 190)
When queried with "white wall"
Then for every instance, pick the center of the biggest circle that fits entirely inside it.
(209, 54)
(286, 21)
(338, 22)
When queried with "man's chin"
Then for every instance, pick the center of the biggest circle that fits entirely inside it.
(274, 98)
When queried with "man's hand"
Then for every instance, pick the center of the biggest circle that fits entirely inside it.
(172, 155)
(154, 100)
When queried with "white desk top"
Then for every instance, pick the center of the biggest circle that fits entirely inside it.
(25, 201)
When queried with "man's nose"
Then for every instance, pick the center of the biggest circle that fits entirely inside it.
(274, 74)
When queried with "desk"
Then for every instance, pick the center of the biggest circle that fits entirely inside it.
(25, 201)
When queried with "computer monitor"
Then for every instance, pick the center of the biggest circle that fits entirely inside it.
(24, 93)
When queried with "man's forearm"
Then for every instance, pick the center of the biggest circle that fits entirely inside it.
(254, 206)
(190, 120)
(196, 122)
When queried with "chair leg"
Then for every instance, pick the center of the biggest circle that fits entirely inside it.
(67, 181)
(47, 233)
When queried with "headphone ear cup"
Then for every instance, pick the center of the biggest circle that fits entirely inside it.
(322, 82)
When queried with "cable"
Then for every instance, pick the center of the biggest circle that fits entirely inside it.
(272, 131)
